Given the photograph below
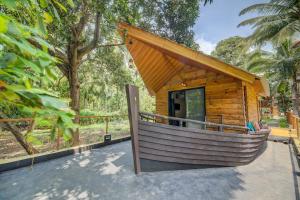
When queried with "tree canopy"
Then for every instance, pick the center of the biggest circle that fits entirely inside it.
(89, 63)
(232, 51)
(278, 20)
(26, 65)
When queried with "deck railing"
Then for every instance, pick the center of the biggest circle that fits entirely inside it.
(158, 118)
(28, 124)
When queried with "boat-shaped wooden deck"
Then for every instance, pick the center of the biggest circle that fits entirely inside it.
(189, 146)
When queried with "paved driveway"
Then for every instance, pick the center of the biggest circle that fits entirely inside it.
(107, 173)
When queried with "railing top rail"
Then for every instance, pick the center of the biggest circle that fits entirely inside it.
(194, 121)
(4, 120)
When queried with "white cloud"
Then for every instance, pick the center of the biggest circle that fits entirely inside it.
(205, 45)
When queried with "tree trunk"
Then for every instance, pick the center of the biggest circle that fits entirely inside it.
(19, 136)
(75, 101)
(295, 95)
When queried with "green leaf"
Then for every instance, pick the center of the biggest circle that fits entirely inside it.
(27, 83)
(43, 3)
(60, 5)
(16, 31)
(50, 73)
(31, 139)
(3, 24)
(71, 3)
(67, 134)
(42, 92)
(43, 42)
(8, 60)
(55, 13)
(11, 4)
(30, 64)
(9, 95)
(41, 26)
(53, 102)
(48, 18)
(52, 134)
(44, 62)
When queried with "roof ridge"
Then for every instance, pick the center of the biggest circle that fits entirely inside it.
(182, 45)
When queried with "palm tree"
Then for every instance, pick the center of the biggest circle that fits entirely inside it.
(279, 67)
(207, 1)
(278, 20)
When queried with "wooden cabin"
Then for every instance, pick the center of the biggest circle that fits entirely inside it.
(189, 84)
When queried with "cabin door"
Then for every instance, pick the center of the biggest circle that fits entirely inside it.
(189, 104)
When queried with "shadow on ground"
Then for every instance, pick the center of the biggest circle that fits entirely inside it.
(108, 174)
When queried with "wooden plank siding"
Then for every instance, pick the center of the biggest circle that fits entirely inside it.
(167, 66)
(223, 94)
(252, 101)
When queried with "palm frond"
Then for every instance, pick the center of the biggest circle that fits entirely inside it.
(207, 1)
(279, 20)
(250, 21)
(262, 8)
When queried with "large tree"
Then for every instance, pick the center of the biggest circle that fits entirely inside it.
(280, 68)
(172, 19)
(23, 67)
(277, 20)
(90, 25)
(232, 51)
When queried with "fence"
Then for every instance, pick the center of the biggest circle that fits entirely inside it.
(92, 130)
(83, 120)
(293, 121)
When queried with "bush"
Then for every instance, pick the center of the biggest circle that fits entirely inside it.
(43, 124)
(88, 121)
(283, 123)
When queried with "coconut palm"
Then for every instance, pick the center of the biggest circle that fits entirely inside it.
(207, 1)
(279, 67)
(278, 20)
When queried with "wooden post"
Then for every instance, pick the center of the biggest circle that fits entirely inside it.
(132, 94)
(297, 127)
(58, 139)
(106, 125)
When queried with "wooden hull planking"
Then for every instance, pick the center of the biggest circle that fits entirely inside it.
(188, 146)
(167, 143)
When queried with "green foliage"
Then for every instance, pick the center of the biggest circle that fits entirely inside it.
(278, 20)
(171, 19)
(232, 51)
(111, 117)
(43, 124)
(31, 80)
(25, 63)
(283, 123)
(279, 67)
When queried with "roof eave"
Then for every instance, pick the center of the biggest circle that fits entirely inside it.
(179, 50)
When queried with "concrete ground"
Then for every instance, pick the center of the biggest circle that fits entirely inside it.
(107, 174)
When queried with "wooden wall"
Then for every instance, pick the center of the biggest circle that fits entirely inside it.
(223, 94)
(253, 112)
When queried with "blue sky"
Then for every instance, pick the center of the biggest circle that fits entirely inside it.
(219, 20)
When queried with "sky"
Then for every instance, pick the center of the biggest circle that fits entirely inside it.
(219, 20)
